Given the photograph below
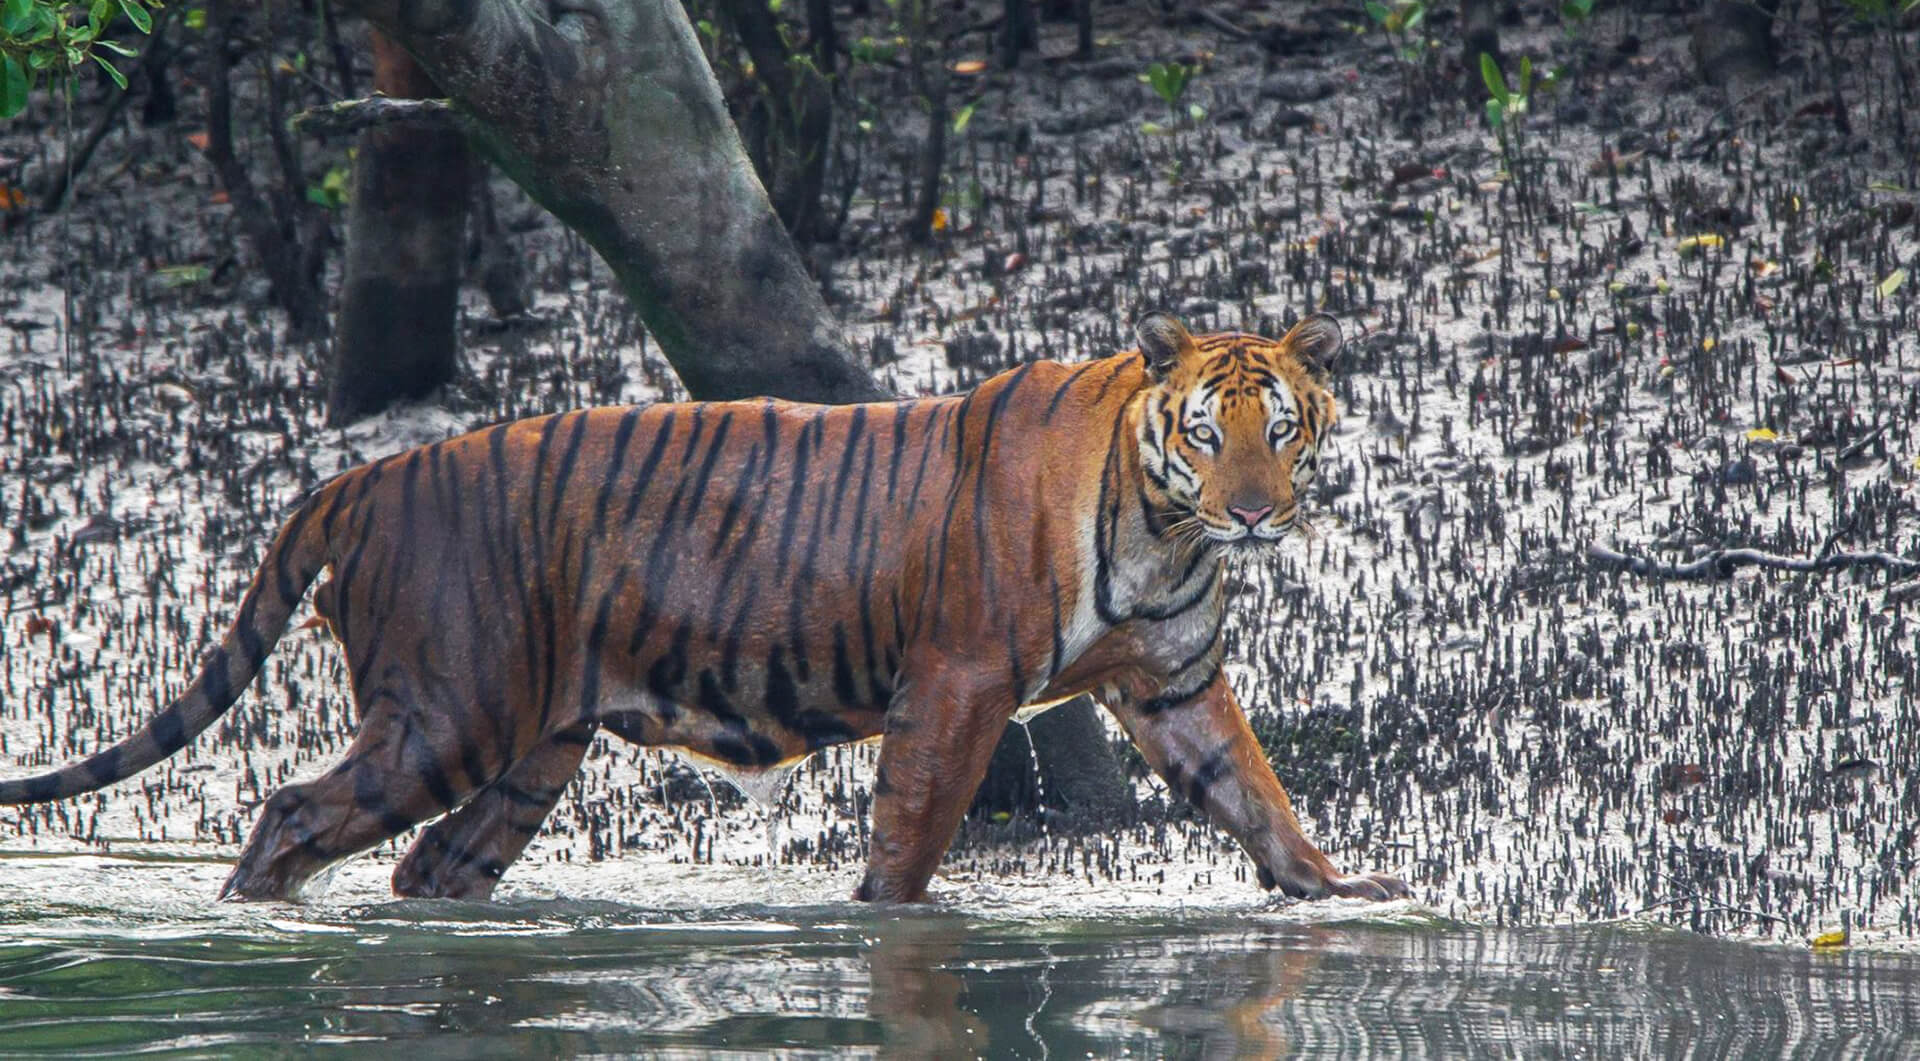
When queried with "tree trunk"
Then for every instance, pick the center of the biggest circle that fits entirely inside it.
(612, 119)
(285, 232)
(1479, 35)
(1062, 762)
(1733, 40)
(926, 65)
(792, 111)
(396, 338)
(1019, 33)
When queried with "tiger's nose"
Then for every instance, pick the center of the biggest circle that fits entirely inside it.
(1250, 516)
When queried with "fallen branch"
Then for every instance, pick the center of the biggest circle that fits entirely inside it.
(1722, 563)
(1859, 446)
(350, 117)
(1222, 23)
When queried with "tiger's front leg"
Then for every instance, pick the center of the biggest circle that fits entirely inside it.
(1203, 748)
(939, 736)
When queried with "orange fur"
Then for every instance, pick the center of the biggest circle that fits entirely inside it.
(751, 581)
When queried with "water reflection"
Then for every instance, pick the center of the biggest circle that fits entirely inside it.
(560, 978)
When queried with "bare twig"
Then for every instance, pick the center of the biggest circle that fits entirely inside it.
(350, 117)
(1722, 563)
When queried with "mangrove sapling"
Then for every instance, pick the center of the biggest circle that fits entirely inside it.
(1507, 108)
(1399, 22)
(1170, 81)
(59, 37)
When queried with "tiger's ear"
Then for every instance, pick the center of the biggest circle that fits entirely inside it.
(1164, 340)
(1316, 341)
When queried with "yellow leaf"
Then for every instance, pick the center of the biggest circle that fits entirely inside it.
(1696, 244)
(1892, 282)
(1761, 434)
(1827, 940)
(969, 66)
(1709, 343)
(939, 219)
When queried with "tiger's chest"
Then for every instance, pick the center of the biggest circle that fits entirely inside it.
(1148, 626)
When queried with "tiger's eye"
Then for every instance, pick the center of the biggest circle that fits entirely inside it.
(1202, 435)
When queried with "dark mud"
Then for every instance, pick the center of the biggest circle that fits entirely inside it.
(1668, 324)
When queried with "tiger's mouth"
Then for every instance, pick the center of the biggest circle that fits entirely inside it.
(1240, 536)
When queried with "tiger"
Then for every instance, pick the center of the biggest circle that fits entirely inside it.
(750, 581)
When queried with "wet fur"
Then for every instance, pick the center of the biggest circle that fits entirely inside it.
(752, 581)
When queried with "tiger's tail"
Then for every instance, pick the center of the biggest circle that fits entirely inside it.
(297, 555)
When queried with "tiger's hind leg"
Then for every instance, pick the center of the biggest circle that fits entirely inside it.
(392, 779)
(463, 855)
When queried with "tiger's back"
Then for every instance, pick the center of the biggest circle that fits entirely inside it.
(739, 579)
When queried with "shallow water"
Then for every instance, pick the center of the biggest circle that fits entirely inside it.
(115, 956)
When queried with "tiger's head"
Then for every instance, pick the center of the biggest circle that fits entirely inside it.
(1231, 428)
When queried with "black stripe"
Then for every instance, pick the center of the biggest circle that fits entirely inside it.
(169, 730)
(705, 476)
(644, 478)
(899, 453)
(844, 686)
(568, 461)
(743, 482)
(1216, 765)
(693, 436)
(1172, 699)
(849, 446)
(854, 536)
(802, 455)
(622, 437)
(1066, 385)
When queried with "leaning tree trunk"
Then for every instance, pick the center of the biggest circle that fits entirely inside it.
(396, 334)
(611, 118)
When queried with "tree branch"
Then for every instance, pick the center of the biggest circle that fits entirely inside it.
(350, 117)
(1722, 563)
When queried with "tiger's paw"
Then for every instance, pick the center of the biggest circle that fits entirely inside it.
(1379, 887)
(1312, 883)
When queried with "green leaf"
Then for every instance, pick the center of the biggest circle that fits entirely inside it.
(1496, 81)
(962, 116)
(112, 70)
(197, 18)
(99, 13)
(1378, 12)
(13, 87)
(1416, 14)
(117, 48)
(1496, 113)
(137, 14)
(1892, 282)
(14, 16)
(1526, 75)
